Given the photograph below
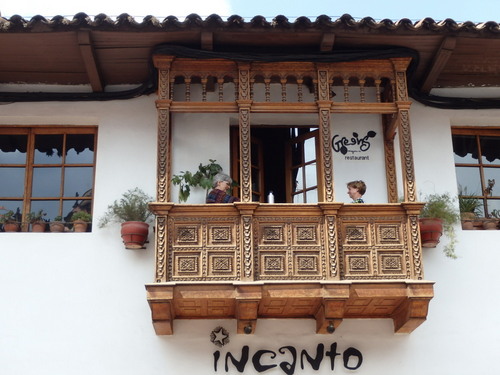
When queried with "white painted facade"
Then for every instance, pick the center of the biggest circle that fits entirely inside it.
(76, 304)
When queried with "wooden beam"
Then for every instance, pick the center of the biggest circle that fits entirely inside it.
(438, 63)
(207, 40)
(327, 40)
(89, 59)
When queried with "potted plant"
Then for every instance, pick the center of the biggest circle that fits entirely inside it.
(38, 223)
(57, 225)
(491, 222)
(81, 220)
(439, 216)
(132, 211)
(9, 221)
(470, 208)
(202, 178)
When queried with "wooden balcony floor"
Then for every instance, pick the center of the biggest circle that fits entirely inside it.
(406, 302)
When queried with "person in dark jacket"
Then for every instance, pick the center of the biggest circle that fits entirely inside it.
(222, 183)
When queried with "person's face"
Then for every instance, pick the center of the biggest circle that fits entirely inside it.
(353, 192)
(223, 185)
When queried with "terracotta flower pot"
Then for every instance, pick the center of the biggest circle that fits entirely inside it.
(80, 226)
(491, 224)
(11, 227)
(57, 226)
(430, 231)
(467, 225)
(134, 234)
(38, 226)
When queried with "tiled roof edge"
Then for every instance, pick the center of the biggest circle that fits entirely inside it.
(126, 22)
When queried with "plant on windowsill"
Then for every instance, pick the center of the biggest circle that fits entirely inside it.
(132, 211)
(470, 208)
(38, 223)
(57, 225)
(9, 221)
(202, 178)
(491, 222)
(81, 220)
(439, 216)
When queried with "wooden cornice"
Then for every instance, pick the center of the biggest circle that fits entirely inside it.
(89, 59)
(438, 63)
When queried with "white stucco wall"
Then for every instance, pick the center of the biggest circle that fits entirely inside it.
(76, 303)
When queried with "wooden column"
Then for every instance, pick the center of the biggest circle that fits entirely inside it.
(403, 124)
(325, 162)
(330, 212)
(390, 158)
(244, 105)
(163, 103)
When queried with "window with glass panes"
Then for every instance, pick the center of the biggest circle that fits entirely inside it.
(47, 168)
(477, 165)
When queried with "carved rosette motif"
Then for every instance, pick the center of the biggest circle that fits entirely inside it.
(161, 249)
(407, 155)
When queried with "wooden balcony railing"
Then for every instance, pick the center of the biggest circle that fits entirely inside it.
(326, 261)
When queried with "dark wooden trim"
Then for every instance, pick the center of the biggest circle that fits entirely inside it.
(438, 63)
(89, 59)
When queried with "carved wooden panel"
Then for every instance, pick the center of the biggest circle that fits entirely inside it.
(290, 248)
(374, 247)
(204, 249)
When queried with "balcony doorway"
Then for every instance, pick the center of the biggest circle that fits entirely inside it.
(283, 160)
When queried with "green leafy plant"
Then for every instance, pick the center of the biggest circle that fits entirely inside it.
(132, 206)
(82, 215)
(442, 206)
(468, 204)
(58, 218)
(202, 178)
(34, 217)
(7, 217)
(495, 213)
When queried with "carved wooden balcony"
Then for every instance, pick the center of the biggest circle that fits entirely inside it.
(326, 261)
